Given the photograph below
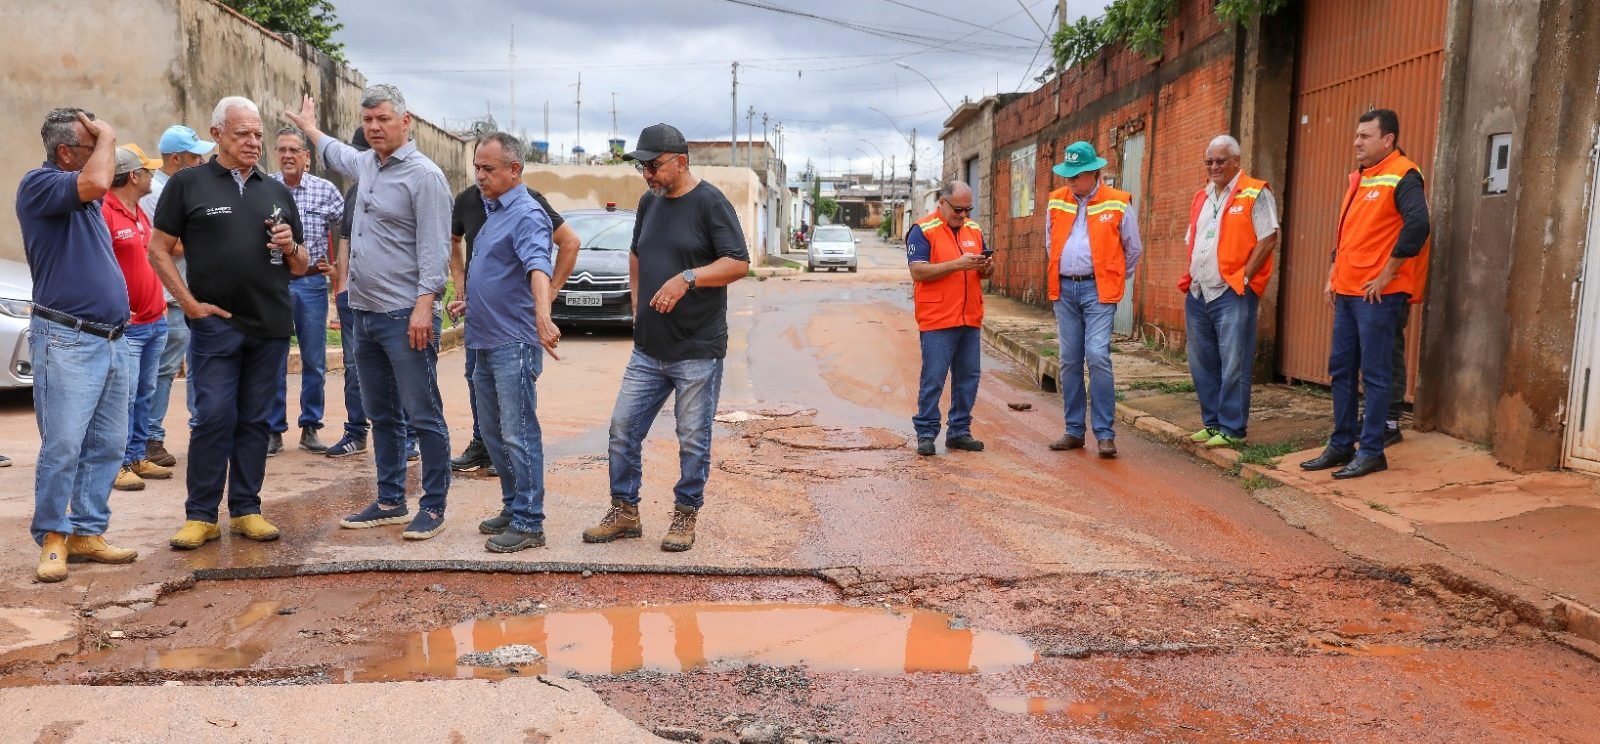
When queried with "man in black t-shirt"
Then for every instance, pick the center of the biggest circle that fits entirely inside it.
(236, 299)
(466, 219)
(688, 247)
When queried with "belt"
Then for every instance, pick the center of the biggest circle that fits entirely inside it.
(1084, 278)
(109, 333)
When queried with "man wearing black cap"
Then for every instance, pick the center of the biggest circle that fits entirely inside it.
(687, 248)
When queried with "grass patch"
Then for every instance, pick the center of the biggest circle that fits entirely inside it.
(1049, 351)
(1385, 508)
(1164, 386)
(1049, 337)
(1266, 454)
(1256, 482)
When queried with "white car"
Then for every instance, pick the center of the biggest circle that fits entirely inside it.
(832, 247)
(16, 311)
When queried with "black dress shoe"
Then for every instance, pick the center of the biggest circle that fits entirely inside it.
(1391, 436)
(274, 444)
(1330, 458)
(963, 442)
(925, 447)
(1362, 465)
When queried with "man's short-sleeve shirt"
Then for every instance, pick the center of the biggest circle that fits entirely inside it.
(130, 240)
(671, 236)
(468, 215)
(69, 249)
(222, 223)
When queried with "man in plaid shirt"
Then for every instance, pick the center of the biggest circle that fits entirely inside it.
(321, 208)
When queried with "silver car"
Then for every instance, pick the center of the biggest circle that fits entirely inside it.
(832, 247)
(16, 310)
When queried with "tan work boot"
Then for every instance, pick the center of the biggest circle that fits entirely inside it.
(680, 536)
(253, 527)
(84, 548)
(195, 533)
(621, 520)
(127, 480)
(149, 470)
(52, 558)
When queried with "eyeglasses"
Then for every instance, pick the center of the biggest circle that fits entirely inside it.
(958, 210)
(1210, 162)
(81, 147)
(650, 168)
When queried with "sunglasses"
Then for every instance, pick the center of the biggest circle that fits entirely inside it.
(651, 167)
(958, 210)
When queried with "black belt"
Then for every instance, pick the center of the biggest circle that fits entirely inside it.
(1084, 278)
(109, 333)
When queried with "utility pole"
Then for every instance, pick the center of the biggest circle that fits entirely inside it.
(513, 68)
(767, 151)
(911, 191)
(547, 130)
(578, 141)
(733, 139)
(613, 116)
(750, 139)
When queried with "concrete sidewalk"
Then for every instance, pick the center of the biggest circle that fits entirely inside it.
(1525, 538)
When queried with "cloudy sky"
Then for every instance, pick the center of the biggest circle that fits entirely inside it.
(819, 67)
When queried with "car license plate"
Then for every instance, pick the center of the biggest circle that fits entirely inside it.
(583, 299)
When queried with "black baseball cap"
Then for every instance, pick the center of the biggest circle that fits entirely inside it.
(656, 140)
(359, 139)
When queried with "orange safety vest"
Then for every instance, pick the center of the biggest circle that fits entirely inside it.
(1369, 225)
(1106, 210)
(1236, 239)
(955, 299)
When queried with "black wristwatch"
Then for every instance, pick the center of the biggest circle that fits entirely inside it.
(688, 278)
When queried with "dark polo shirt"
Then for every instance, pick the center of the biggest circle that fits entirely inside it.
(69, 248)
(224, 234)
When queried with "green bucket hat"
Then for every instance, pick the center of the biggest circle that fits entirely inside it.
(1080, 157)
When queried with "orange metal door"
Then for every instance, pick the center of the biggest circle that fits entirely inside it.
(1355, 55)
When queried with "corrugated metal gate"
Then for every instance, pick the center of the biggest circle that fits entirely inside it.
(1355, 55)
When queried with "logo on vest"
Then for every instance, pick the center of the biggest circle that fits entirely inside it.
(1107, 216)
(1236, 209)
(1372, 195)
(968, 243)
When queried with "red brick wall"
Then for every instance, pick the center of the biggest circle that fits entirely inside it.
(1178, 103)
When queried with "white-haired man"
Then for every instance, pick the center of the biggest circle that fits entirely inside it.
(242, 239)
(1233, 229)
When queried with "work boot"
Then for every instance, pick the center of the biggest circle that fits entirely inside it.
(127, 480)
(496, 524)
(84, 548)
(621, 520)
(52, 558)
(1391, 434)
(309, 441)
(963, 442)
(155, 451)
(150, 471)
(1108, 447)
(511, 541)
(680, 536)
(253, 527)
(473, 457)
(195, 533)
(925, 447)
(274, 444)
(1067, 442)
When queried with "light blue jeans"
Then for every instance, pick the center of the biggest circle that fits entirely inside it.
(1083, 329)
(506, 400)
(646, 383)
(145, 343)
(172, 356)
(80, 398)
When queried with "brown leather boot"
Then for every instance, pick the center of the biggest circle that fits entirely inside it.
(680, 536)
(83, 548)
(52, 558)
(621, 520)
(155, 451)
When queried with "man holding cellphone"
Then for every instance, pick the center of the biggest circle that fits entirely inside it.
(948, 263)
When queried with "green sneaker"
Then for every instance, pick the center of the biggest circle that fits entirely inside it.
(1223, 440)
(1203, 435)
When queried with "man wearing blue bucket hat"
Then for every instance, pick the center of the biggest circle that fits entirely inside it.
(1094, 246)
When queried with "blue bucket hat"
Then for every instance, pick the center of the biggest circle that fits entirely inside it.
(1080, 157)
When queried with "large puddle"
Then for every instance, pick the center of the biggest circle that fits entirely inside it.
(679, 638)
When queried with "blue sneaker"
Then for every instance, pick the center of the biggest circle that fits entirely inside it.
(348, 446)
(428, 523)
(376, 515)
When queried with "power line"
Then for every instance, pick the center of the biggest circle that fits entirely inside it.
(958, 20)
(902, 36)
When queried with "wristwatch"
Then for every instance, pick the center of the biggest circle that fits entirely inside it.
(688, 278)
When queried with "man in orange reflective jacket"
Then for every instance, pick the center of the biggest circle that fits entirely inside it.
(948, 263)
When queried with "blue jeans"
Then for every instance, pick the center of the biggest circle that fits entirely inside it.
(1363, 342)
(172, 355)
(233, 376)
(1083, 329)
(80, 399)
(952, 352)
(1222, 350)
(646, 383)
(310, 297)
(507, 398)
(400, 384)
(355, 417)
(145, 343)
(472, 395)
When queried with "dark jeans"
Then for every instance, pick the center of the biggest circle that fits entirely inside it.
(646, 383)
(507, 398)
(310, 297)
(1363, 346)
(233, 376)
(952, 353)
(355, 417)
(472, 395)
(400, 384)
(1222, 348)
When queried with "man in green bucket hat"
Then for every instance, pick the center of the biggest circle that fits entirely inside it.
(1093, 247)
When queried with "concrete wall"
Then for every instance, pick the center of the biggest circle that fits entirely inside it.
(185, 56)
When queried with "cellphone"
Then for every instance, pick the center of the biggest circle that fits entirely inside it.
(988, 253)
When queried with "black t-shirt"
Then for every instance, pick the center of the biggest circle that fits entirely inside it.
(670, 237)
(348, 222)
(224, 236)
(468, 215)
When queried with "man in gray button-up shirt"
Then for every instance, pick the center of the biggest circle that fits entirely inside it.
(399, 255)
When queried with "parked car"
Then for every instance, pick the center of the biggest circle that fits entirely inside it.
(832, 247)
(16, 310)
(597, 293)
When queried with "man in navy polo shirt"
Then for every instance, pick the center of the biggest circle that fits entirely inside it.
(80, 358)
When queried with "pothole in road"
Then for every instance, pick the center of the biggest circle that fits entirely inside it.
(835, 438)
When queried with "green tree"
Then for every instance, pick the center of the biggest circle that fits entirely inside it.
(311, 20)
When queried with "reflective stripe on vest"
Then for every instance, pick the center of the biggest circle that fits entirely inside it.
(1105, 213)
(955, 299)
(1236, 237)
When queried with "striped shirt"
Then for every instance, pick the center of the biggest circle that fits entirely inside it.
(320, 206)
